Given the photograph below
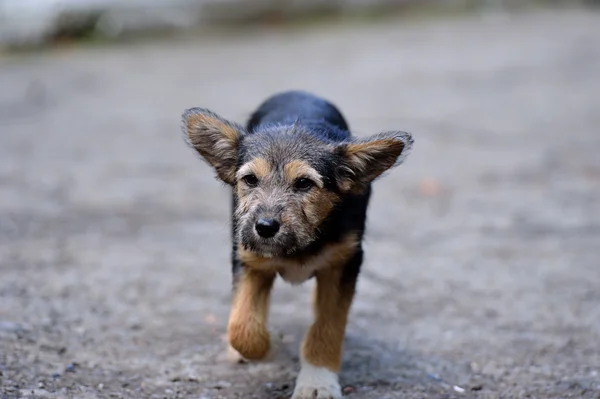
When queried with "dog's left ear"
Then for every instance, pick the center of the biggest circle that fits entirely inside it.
(364, 160)
(216, 140)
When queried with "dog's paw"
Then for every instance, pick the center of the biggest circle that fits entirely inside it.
(317, 393)
(235, 357)
(317, 383)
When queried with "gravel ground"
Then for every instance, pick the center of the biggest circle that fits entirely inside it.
(482, 270)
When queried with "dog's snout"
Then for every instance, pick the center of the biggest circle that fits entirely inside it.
(266, 228)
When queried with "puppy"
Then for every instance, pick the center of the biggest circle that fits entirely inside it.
(300, 186)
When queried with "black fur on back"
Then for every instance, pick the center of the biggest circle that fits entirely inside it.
(300, 107)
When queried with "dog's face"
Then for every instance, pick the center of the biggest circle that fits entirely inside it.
(287, 181)
(285, 190)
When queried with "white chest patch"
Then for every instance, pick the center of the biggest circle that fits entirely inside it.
(297, 273)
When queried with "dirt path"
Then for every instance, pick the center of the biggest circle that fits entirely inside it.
(483, 256)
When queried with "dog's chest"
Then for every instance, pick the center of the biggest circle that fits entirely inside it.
(297, 273)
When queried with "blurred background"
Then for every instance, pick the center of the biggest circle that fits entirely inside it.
(482, 271)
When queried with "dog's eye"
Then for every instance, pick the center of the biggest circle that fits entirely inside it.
(250, 180)
(303, 184)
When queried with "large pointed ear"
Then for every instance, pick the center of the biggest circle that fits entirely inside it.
(216, 140)
(364, 160)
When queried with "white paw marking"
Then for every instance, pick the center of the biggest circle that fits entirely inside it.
(316, 383)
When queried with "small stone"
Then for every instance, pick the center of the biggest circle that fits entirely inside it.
(348, 390)
(220, 385)
(71, 367)
(100, 386)
(56, 375)
(458, 389)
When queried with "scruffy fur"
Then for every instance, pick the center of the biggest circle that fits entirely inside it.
(300, 188)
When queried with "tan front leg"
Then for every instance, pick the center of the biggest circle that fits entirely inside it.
(247, 330)
(322, 346)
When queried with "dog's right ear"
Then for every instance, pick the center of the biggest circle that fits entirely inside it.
(216, 140)
(364, 160)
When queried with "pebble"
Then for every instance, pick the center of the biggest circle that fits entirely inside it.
(71, 367)
(221, 385)
(434, 377)
(458, 389)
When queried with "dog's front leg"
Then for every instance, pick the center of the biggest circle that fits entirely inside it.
(322, 346)
(247, 329)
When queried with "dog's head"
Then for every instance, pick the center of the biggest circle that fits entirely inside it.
(287, 180)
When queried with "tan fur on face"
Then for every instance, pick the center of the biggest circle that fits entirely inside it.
(297, 169)
(297, 271)
(259, 167)
(318, 204)
(247, 329)
(299, 212)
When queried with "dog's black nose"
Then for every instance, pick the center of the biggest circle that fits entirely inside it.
(267, 228)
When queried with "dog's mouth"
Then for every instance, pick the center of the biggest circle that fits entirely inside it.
(283, 244)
